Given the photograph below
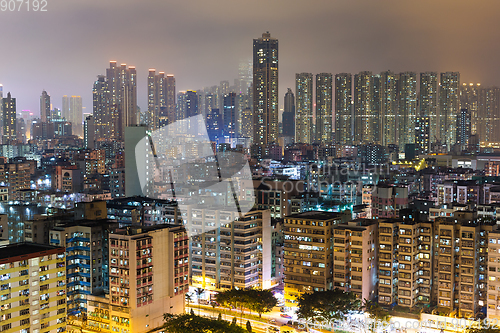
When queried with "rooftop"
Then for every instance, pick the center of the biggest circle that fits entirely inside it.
(21, 249)
(314, 215)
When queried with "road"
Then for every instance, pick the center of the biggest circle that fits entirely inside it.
(257, 326)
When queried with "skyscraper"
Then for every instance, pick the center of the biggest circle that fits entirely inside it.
(448, 107)
(324, 108)
(89, 133)
(115, 102)
(170, 97)
(265, 90)
(65, 107)
(388, 105)
(9, 119)
(156, 98)
(469, 101)
(289, 114)
(103, 121)
(343, 109)
(429, 104)
(463, 128)
(407, 111)
(365, 118)
(45, 107)
(304, 112)
(75, 114)
(180, 111)
(122, 87)
(161, 99)
(244, 76)
(191, 104)
(230, 115)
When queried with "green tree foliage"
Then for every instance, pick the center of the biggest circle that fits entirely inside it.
(260, 301)
(327, 306)
(249, 326)
(196, 324)
(378, 315)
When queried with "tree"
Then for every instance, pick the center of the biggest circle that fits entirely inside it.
(327, 305)
(249, 326)
(189, 298)
(213, 304)
(199, 291)
(192, 323)
(220, 316)
(377, 314)
(233, 322)
(261, 301)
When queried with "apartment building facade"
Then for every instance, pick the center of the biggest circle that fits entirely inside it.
(32, 288)
(308, 253)
(239, 254)
(355, 254)
(149, 276)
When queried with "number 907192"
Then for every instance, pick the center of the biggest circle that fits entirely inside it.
(23, 5)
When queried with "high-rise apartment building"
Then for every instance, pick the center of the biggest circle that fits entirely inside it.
(115, 102)
(9, 119)
(366, 118)
(343, 109)
(72, 111)
(405, 262)
(493, 298)
(33, 290)
(304, 126)
(449, 104)
(428, 104)
(170, 99)
(76, 113)
(89, 133)
(265, 90)
(388, 108)
(236, 255)
(355, 257)
(148, 275)
(161, 99)
(101, 109)
(289, 114)
(407, 111)
(469, 101)
(230, 115)
(422, 135)
(156, 98)
(324, 108)
(488, 121)
(45, 107)
(87, 258)
(463, 129)
(308, 253)
(65, 107)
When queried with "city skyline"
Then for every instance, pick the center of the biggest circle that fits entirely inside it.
(434, 46)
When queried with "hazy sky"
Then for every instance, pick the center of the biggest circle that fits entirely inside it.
(201, 42)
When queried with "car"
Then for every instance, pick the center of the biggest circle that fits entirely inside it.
(284, 315)
(282, 310)
(273, 329)
(272, 321)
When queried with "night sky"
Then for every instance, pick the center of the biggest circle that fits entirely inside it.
(201, 42)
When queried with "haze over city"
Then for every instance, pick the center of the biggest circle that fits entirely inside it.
(202, 42)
